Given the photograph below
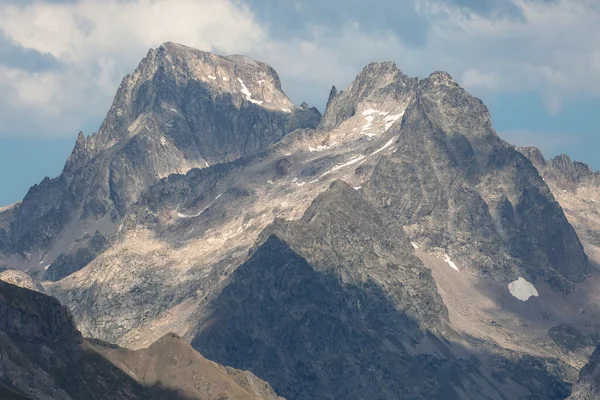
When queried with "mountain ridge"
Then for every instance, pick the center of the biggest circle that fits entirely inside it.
(389, 241)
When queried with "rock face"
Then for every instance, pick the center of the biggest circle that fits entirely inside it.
(337, 306)
(577, 188)
(20, 278)
(588, 385)
(180, 109)
(66, 264)
(456, 185)
(43, 356)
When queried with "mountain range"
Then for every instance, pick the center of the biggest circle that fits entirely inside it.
(393, 247)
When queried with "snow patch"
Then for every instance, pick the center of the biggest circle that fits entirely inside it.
(212, 77)
(46, 267)
(522, 289)
(218, 196)
(287, 154)
(449, 262)
(180, 215)
(340, 166)
(416, 246)
(370, 117)
(320, 148)
(225, 78)
(287, 110)
(206, 163)
(391, 119)
(593, 200)
(295, 180)
(260, 82)
(385, 146)
(174, 110)
(357, 187)
(366, 127)
(247, 93)
(270, 182)
(163, 141)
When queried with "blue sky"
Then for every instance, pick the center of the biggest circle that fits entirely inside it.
(535, 63)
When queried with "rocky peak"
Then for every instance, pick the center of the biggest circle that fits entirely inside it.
(456, 183)
(376, 83)
(441, 78)
(333, 93)
(562, 170)
(534, 155)
(157, 84)
(180, 109)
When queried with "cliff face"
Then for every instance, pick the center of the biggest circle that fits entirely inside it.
(577, 188)
(181, 108)
(588, 385)
(456, 185)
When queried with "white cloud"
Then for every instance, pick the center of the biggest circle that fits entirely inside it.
(97, 42)
(551, 49)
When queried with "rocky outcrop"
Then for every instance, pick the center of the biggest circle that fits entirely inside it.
(20, 278)
(377, 83)
(588, 385)
(337, 306)
(34, 317)
(43, 356)
(456, 185)
(565, 173)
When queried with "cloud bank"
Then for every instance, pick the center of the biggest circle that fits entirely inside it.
(61, 62)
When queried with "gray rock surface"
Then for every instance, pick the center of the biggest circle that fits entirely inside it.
(337, 306)
(588, 385)
(66, 264)
(181, 108)
(456, 185)
(577, 188)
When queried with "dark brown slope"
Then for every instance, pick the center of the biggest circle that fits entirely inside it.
(173, 364)
(43, 356)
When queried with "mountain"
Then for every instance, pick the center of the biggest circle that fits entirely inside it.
(45, 357)
(181, 108)
(394, 247)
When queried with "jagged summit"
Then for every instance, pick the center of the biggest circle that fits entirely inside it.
(377, 83)
(180, 109)
(562, 170)
(154, 89)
